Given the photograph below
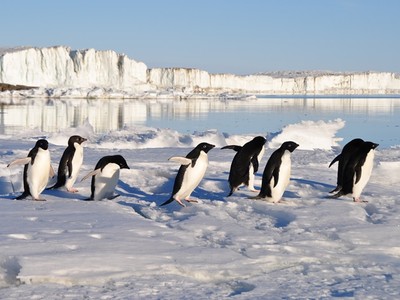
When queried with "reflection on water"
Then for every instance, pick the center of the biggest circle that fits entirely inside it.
(371, 118)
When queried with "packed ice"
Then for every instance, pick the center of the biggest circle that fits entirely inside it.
(307, 246)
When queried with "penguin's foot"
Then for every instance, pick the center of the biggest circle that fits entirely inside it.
(180, 202)
(39, 199)
(358, 200)
(253, 190)
(72, 190)
(191, 200)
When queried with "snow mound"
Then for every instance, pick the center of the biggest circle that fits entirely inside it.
(310, 135)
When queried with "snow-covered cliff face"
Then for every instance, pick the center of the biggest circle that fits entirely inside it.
(62, 68)
(278, 84)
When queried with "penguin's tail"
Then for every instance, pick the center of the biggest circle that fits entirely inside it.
(56, 186)
(338, 194)
(168, 201)
(23, 196)
(336, 189)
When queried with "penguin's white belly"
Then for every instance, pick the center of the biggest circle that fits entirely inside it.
(366, 171)
(38, 174)
(77, 161)
(251, 169)
(106, 181)
(193, 176)
(284, 178)
(251, 177)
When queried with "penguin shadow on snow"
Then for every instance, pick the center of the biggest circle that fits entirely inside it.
(124, 189)
(316, 185)
(59, 193)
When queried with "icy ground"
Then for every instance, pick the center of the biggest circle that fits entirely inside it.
(306, 247)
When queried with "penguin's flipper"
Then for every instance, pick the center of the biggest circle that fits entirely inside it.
(233, 147)
(93, 173)
(276, 176)
(335, 160)
(358, 173)
(20, 161)
(181, 160)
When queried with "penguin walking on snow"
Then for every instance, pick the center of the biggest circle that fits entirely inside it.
(343, 158)
(245, 163)
(277, 171)
(191, 172)
(357, 171)
(37, 170)
(70, 164)
(105, 177)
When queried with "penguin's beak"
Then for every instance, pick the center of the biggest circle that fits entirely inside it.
(375, 145)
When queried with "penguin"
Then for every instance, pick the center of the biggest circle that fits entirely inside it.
(105, 177)
(343, 159)
(276, 175)
(70, 164)
(357, 171)
(245, 163)
(191, 172)
(37, 170)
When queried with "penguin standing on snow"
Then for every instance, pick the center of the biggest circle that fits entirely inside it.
(105, 177)
(70, 164)
(357, 171)
(37, 170)
(277, 171)
(343, 158)
(191, 172)
(245, 163)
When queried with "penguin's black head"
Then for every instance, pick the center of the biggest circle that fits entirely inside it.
(76, 139)
(370, 145)
(259, 140)
(290, 146)
(42, 144)
(205, 147)
(120, 161)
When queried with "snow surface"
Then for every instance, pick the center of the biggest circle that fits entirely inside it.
(62, 72)
(306, 247)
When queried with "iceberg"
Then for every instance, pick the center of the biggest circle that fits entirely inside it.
(62, 72)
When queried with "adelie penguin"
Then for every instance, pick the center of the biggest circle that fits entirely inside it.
(343, 158)
(191, 172)
(70, 164)
(357, 171)
(105, 177)
(245, 163)
(276, 175)
(37, 170)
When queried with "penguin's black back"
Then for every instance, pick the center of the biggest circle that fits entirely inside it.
(239, 172)
(102, 163)
(353, 167)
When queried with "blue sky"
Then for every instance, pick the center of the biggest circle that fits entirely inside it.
(219, 36)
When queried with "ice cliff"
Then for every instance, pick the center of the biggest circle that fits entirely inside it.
(60, 71)
(63, 67)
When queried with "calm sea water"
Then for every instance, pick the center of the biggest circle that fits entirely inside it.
(375, 119)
